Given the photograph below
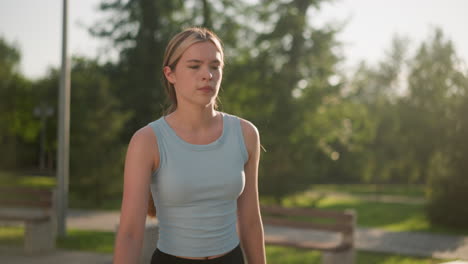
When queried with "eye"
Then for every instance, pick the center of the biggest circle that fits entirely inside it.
(194, 67)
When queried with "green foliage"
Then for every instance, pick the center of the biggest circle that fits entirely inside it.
(437, 128)
(447, 188)
(96, 157)
(45, 92)
(429, 103)
(140, 31)
(286, 56)
(378, 90)
(278, 83)
(18, 126)
(96, 152)
(9, 58)
(341, 130)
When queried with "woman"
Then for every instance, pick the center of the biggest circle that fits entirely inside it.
(200, 164)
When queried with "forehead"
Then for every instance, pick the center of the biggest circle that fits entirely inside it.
(204, 51)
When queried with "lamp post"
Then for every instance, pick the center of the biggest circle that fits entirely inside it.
(63, 132)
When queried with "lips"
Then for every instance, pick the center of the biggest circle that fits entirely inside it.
(206, 89)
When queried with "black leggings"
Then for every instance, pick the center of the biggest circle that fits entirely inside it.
(233, 257)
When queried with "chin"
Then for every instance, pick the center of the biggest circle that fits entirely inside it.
(204, 104)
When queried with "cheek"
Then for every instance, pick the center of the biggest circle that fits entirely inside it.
(219, 75)
(182, 76)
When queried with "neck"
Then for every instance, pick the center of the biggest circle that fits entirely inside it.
(193, 118)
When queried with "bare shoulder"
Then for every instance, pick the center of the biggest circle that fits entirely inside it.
(248, 128)
(144, 145)
(251, 135)
(144, 137)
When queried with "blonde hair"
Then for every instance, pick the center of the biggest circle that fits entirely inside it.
(174, 50)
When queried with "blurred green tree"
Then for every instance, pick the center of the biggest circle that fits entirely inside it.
(96, 156)
(18, 126)
(436, 125)
(139, 31)
(45, 92)
(277, 81)
(379, 90)
(96, 121)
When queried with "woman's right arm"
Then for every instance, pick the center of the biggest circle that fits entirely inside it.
(142, 158)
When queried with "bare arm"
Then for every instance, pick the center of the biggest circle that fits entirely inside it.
(248, 209)
(139, 162)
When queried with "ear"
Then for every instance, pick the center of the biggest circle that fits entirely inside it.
(170, 76)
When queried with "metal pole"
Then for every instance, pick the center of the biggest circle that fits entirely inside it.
(43, 115)
(63, 132)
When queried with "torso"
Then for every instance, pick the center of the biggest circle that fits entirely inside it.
(201, 139)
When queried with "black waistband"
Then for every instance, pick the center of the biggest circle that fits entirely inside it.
(235, 256)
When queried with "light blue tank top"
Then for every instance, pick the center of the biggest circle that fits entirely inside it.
(195, 190)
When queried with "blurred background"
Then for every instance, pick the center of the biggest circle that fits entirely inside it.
(355, 100)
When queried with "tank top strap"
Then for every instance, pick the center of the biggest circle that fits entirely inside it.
(234, 125)
(158, 130)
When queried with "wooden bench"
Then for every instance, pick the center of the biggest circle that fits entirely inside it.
(35, 207)
(341, 222)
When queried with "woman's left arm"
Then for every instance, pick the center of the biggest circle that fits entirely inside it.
(250, 225)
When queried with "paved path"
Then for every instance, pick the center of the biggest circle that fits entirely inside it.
(376, 240)
(57, 257)
(405, 243)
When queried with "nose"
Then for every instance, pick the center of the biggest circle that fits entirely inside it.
(207, 75)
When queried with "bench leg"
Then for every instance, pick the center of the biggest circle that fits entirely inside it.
(39, 237)
(342, 257)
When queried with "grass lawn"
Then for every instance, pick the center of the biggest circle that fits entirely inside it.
(20, 179)
(388, 216)
(17, 179)
(95, 241)
(11, 235)
(103, 242)
(411, 190)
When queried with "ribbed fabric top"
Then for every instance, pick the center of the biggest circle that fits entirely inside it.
(195, 190)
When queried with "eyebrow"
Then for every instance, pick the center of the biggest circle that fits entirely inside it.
(199, 61)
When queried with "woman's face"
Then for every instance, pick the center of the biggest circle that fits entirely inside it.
(197, 75)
